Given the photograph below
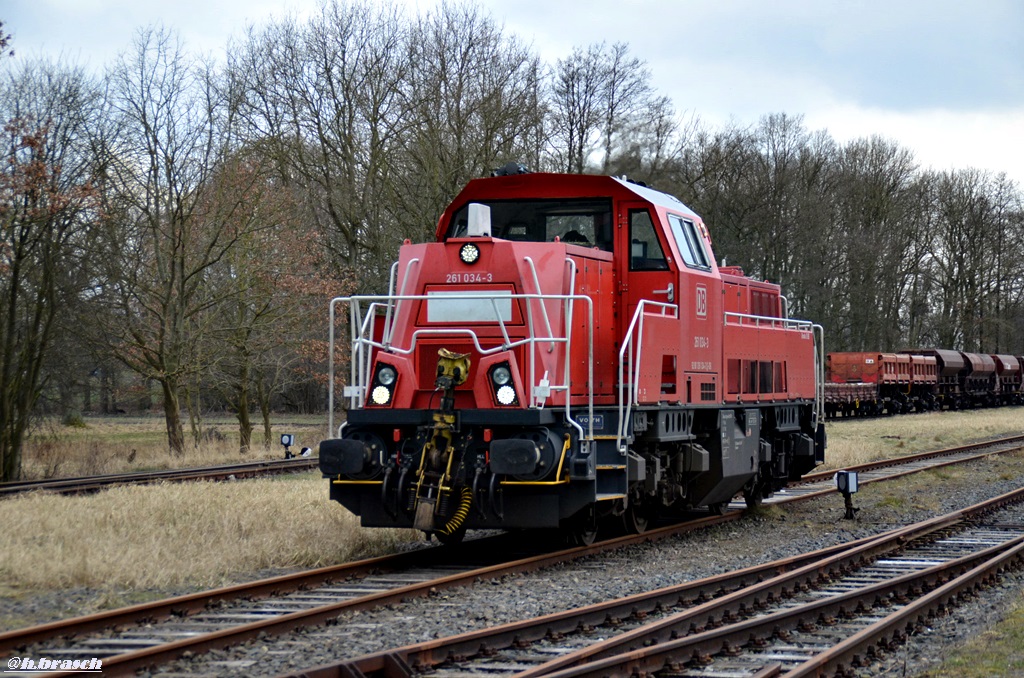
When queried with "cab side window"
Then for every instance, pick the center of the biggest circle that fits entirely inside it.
(645, 253)
(691, 244)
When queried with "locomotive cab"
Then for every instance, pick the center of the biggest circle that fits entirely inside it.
(566, 351)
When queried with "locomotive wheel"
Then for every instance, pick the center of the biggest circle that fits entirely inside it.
(635, 519)
(582, 536)
(718, 508)
(581, 529)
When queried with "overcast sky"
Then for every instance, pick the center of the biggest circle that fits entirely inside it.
(944, 78)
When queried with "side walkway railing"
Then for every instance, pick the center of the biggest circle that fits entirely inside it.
(630, 354)
(816, 331)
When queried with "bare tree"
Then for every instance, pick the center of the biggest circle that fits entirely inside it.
(577, 95)
(977, 216)
(652, 146)
(471, 97)
(879, 207)
(161, 243)
(328, 97)
(627, 93)
(267, 287)
(46, 202)
(598, 97)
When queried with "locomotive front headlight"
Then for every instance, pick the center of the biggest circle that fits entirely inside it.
(501, 375)
(380, 395)
(506, 395)
(469, 253)
(386, 375)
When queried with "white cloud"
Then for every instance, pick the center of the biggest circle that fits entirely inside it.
(941, 140)
(943, 78)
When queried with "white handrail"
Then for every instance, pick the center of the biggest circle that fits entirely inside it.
(626, 356)
(362, 342)
(767, 320)
(388, 323)
(819, 374)
(543, 308)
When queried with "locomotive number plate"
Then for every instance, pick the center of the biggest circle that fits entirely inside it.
(469, 277)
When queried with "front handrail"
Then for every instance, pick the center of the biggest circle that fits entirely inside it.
(362, 330)
(543, 308)
(819, 374)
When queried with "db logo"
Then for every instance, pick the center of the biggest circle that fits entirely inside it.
(702, 301)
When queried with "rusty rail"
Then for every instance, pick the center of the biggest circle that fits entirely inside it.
(651, 646)
(87, 484)
(191, 604)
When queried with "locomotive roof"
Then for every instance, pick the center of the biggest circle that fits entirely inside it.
(553, 186)
(665, 200)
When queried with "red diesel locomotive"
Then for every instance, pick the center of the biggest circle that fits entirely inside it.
(568, 352)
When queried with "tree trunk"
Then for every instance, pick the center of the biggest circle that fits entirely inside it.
(195, 418)
(10, 454)
(263, 395)
(244, 422)
(172, 415)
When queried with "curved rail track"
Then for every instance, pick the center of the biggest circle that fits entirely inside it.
(826, 610)
(87, 484)
(227, 616)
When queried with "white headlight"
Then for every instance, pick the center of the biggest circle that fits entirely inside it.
(506, 395)
(469, 253)
(501, 375)
(380, 395)
(386, 375)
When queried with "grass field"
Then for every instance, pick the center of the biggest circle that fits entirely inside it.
(858, 441)
(999, 651)
(120, 444)
(203, 534)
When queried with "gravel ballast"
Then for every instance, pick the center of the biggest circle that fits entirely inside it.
(768, 535)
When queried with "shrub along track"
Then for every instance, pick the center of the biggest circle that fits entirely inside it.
(397, 577)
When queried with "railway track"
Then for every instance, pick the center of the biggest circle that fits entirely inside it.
(816, 613)
(224, 617)
(87, 484)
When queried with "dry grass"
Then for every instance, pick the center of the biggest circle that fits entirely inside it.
(205, 534)
(998, 651)
(122, 444)
(858, 441)
(179, 534)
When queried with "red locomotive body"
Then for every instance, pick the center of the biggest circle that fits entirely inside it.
(568, 350)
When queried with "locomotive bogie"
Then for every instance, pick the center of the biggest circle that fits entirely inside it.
(569, 350)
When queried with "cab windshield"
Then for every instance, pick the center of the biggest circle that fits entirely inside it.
(586, 222)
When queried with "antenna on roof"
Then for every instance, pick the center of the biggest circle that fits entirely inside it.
(510, 169)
